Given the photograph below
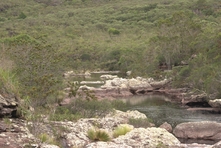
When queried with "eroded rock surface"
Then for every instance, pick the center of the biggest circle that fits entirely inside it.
(215, 103)
(198, 130)
(8, 105)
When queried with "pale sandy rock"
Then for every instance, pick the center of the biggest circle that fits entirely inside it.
(217, 145)
(129, 114)
(106, 145)
(215, 103)
(48, 146)
(135, 84)
(108, 77)
(198, 130)
(147, 138)
(159, 84)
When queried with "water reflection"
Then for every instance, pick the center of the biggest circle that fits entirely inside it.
(160, 110)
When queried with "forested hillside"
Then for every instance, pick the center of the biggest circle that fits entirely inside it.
(40, 39)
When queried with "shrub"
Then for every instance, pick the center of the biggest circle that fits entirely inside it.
(120, 105)
(22, 16)
(98, 135)
(113, 31)
(45, 138)
(8, 82)
(122, 130)
(81, 108)
(140, 122)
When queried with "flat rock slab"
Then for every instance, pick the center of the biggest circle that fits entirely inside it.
(198, 130)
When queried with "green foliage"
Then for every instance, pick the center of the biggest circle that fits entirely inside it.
(42, 41)
(45, 138)
(113, 31)
(140, 122)
(91, 108)
(86, 108)
(8, 83)
(98, 135)
(22, 16)
(81, 108)
(63, 113)
(120, 105)
(20, 39)
(36, 67)
(121, 130)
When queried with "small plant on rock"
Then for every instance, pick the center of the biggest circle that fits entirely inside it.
(45, 138)
(98, 135)
(122, 130)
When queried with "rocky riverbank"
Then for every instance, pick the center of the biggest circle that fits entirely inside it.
(43, 133)
(17, 133)
(122, 87)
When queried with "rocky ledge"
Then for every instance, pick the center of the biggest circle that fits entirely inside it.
(17, 133)
(122, 87)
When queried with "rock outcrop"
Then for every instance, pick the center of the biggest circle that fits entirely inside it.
(8, 105)
(198, 130)
(140, 137)
(215, 103)
(121, 87)
(15, 134)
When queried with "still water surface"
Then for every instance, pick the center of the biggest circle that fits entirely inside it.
(160, 110)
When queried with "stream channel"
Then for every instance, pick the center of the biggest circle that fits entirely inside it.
(159, 108)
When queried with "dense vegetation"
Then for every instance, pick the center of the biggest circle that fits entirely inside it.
(40, 39)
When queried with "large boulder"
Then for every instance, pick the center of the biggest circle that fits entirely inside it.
(138, 83)
(215, 103)
(140, 137)
(198, 130)
(149, 137)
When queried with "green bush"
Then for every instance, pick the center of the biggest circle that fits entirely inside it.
(45, 138)
(120, 105)
(8, 83)
(113, 31)
(121, 130)
(81, 108)
(22, 16)
(98, 135)
(91, 108)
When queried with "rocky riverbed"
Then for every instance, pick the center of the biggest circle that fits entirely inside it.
(19, 133)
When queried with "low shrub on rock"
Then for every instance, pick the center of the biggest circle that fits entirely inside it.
(122, 130)
(98, 135)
